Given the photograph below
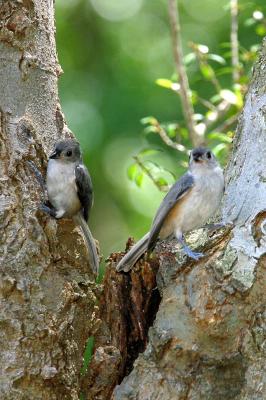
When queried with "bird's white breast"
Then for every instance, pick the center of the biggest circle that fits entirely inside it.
(61, 187)
(202, 201)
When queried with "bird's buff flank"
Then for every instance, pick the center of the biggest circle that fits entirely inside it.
(188, 205)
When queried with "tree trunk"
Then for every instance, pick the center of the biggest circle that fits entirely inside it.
(208, 339)
(47, 299)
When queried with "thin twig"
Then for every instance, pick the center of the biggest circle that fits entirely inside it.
(206, 103)
(234, 39)
(182, 75)
(213, 78)
(226, 124)
(221, 110)
(204, 63)
(149, 174)
(165, 138)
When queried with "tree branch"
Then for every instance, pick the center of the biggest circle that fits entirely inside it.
(234, 39)
(149, 174)
(203, 63)
(227, 124)
(219, 113)
(165, 138)
(187, 107)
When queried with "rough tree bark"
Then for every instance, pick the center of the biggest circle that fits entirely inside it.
(46, 291)
(208, 339)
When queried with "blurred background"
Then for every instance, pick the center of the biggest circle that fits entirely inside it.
(112, 53)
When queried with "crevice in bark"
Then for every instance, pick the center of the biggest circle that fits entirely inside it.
(127, 309)
(139, 315)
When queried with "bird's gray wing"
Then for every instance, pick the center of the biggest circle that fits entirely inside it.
(84, 189)
(177, 191)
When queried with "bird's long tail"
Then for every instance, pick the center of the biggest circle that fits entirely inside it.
(134, 254)
(91, 247)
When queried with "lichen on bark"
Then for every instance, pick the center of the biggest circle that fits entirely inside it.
(208, 339)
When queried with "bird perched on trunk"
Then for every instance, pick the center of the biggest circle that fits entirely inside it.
(188, 205)
(70, 192)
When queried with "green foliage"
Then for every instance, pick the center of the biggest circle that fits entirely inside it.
(223, 104)
(118, 71)
(87, 354)
(221, 137)
(157, 173)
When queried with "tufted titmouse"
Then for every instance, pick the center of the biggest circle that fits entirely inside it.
(191, 201)
(70, 192)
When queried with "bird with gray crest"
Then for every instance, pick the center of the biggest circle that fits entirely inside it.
(70, 191)
(188, 205)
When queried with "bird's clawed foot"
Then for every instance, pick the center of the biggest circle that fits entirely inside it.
(47, 209)
(192, 254)
(189, 252)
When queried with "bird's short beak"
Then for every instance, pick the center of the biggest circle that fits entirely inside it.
(196, 158)
(55, 154)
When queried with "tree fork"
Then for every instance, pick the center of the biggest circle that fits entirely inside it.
(208, 336)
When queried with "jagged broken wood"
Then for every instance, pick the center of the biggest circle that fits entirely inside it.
(208, 339)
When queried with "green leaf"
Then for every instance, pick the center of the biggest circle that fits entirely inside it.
(244, 80)
(231, 134)
(254, 48)
(198, 117)
(148, 120)
(203, 49)
(249, 22)
(139, 179)
(217, 58)
(148, 152)
(184, 133)
(239, 96)
(217, 149)
(225, 45)
(166, 83)
(211, 115)
(150, 129)
(222, 137)
(207, 71)
(224, 71)
(260, 30)
(171, 129)
(132, 171)
(227, 54)
(175, 77)
(229, 96)
(87, 354)
(194, 97)
(258, 15)
(189, 58)
(215, 98)
(161, 181)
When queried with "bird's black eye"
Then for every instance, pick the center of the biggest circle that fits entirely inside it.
(69, 153)
(208, 154)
